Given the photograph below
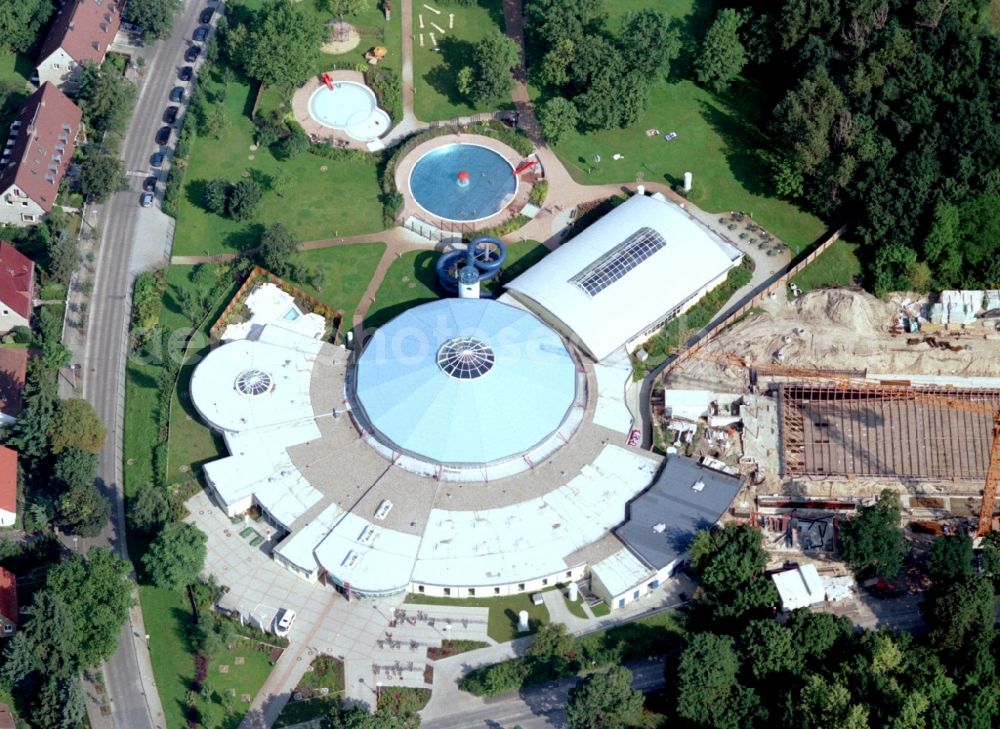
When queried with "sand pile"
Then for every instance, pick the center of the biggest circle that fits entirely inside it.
(837, 329)
(853, 310)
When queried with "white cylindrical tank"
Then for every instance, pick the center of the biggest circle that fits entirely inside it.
(640, 190)
(468, 282)
(522, 622)
(688, 177)
(573, 593)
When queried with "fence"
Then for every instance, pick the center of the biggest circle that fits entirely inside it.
(446, 231)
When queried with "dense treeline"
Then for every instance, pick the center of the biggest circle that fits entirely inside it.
(885, 114)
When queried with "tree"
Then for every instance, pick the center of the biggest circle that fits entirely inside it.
(557, 117)
(63, 254)
(942, 247)
(98, 593)
(84, 510)
(604, 701)
(805, 119)
(100, 175)
(816, 634)
(340, 8)
(76, 425)
(729, 564)
(294, 143)
(959, 612)
(106, 99)
(825, 704)
(722, 56)
(769, 649)
(155, 17)
(494, 57)
(989, 555)
(872, 541)
(282, 44)
(951, 558)
(648, 42)
(216, 196)
(707, 686)
(244, 197)
(45, 643)
(553, 71)
(29, 435)
(359, 717)
(20, 21)
(74, 468)
(176, 556)
(552, 652)
(277, 246)
(149, 509)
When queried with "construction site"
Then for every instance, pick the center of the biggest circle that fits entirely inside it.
(824, 399)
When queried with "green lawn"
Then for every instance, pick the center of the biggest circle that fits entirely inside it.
(166, 614)
(503, 612)
(346, 271)
(14, 72)
(838, 265)
(296, 712)
(435, 94)
(716, 139)
(600, 610)
(576, 608)
(412, 279)
(317, 204)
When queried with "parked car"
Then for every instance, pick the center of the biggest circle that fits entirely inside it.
(192, 53)
(186, 73)
(170, 115)
(177, 94)
(163, 136)
(146, 200)
(149, 184)
(200, 33)
(156, 160)
(283, 622)
(206, 16)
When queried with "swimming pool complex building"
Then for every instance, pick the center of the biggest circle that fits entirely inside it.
(473, 447)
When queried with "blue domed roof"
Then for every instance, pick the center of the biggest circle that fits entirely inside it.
(465, 381)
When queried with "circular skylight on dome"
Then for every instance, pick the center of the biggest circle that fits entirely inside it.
(253, 383)
(465, 358)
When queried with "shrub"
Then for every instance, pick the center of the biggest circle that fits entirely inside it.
(295, 143)
(539, 192)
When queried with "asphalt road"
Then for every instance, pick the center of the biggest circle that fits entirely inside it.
(128, 673)
(542, 707)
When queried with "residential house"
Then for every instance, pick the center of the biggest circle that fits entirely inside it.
(37, 155)
(8, 486)
(8, 603)
(17, 288)
(81, 31)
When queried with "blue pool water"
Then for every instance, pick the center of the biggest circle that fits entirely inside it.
(292, 314)
(434, 182)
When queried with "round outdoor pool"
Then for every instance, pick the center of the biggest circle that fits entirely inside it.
(463, 182)
(351, 107)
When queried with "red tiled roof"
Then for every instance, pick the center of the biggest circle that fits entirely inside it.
(43, 145)
(8, 595)
(83, 28)
(17, 278)
(8, 479)
(13, 370)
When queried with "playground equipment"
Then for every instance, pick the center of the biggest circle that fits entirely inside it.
(325, 77)
(376, 54)
(461, 272)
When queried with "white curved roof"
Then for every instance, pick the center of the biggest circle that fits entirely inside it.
(526, 382)
(674, 263)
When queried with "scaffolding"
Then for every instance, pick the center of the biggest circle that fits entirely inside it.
(897, 432)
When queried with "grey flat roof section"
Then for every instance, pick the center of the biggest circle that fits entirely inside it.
(673, 502)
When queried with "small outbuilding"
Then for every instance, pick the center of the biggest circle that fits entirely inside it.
(800, 587)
